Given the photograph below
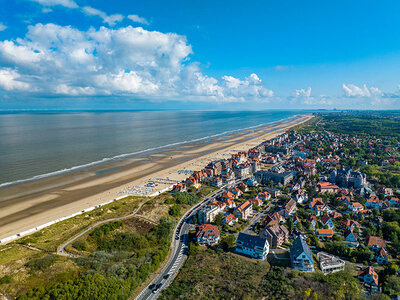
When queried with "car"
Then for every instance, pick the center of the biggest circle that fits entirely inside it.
(166, 276)
(151, 286)
(157, 288)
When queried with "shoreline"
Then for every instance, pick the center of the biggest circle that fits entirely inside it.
(31, 204)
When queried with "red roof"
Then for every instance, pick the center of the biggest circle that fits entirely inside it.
(206, 230)
(375, 241)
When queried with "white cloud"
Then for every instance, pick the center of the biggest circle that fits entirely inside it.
(65, 3)
(352, 90)
(303, 92)
(9, 80)
(109, 19)
(2, 27)
(128, 61)
(137, 19)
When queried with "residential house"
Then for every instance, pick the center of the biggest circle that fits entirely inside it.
(227, 195)
(324, 233)
(349, 224)
(180, 187)
(256, 202)
(230, 203)
(252, 245)
(318, 206)
(296, 220)
(274, 192)
(327, 187)
(229, 219)
(385, 191)
(313, 221)
(207, 234)
(216, 181)
(350, 238)
(264, 196)
(382, 256)
(301, 256)
(243, 187)
(289, 208)
(272, 219)
(368, 276)
(375, 242)
(329, 263)
(326, 221)
(394, 202)
(276, 235)
(244, 210)
(355, 207)
(374, 202)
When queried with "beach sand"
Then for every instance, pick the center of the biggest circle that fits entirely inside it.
(30, 204)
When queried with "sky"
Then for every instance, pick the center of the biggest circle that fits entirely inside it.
(223, 55)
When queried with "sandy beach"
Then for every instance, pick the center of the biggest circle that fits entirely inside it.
(26, 205)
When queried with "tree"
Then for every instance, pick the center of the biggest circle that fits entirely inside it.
(228, 242)
(392, 284)
(218, 219)
(175, 210)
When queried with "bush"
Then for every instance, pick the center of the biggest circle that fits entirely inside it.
(40, 264)
(5, 279)
(106, 228)
(80, 245)
(175, 210)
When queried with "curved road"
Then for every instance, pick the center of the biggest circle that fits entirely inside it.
(179, 252)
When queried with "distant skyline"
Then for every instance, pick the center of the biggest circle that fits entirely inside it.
(220, 55)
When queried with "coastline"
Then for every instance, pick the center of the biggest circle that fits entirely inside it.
(33, 203)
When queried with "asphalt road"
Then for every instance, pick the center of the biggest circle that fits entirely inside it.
(179, 253)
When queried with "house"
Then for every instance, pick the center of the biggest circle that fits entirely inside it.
(180, 187)
(243, 187)
(336, 215)
(296, 220)
(327, 187)
(227, 195)
(300, 197)
(216, 181)
(256, 202)
(324, 233)
(276, 235)
(374, 202)
(272, 219)
(244, 210)
(368, 276)
(229, 219)
(350, 238)
(207, 234)
(326, 221)
(394, 202)
(355, 206)
(236, 192)
(207, 214)
(264, 196)
(301, 256)
(382, 256)
(230, 203)
(329, 263)
(274, 192)
(349, 224)
(375, 242)
(252, 245)
(385, 191)
(318, 206)
(289, 209)
(312, 220)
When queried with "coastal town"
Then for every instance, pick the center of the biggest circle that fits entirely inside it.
(307, 200)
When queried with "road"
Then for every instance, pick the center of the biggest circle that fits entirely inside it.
(179, 251)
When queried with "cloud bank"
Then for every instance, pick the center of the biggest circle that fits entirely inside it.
(128, 61)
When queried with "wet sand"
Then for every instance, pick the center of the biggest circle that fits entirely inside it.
(30, 204)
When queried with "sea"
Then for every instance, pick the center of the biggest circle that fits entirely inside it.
(38, 144)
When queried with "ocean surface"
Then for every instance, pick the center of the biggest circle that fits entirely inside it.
(38, 144)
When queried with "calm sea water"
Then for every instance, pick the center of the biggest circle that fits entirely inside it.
(33, 144)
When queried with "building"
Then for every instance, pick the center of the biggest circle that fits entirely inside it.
(301, 256)
(329, 263)
(327, 187)
(276, 235)
(265, 177)
(289, 209)
(272, 219)
(324, 233)
(348, 178)
(368, 276)
(326, 221)
(355, 207)
(382, 256)
(207, 234)
(375, 242)
(244, 210)
(252, 245)
(350, 238)
(207, 214)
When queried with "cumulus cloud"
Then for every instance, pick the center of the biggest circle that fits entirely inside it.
(2, 27)
(352, 90)
(128, 61)
(109, 19)
(137, 19)
(65, 3)
(9, 80)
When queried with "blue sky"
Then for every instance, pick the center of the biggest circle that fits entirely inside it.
(199, 54)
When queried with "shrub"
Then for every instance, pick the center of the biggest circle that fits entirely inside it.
(40, 264)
